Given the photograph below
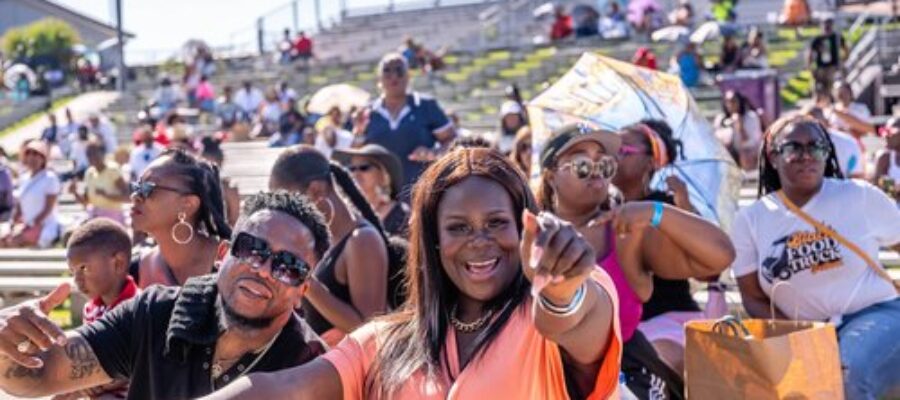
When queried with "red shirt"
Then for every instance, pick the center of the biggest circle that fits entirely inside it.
(160, 135)
(647, 62)
(95, 309)
(303, 46)
(562, 27)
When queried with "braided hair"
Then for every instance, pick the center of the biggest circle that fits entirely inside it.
(202, 180)
(212, 149)
(769, 181)
(301, 165)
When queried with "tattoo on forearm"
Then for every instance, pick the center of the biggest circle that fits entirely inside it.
(84, 362)
(16, 371)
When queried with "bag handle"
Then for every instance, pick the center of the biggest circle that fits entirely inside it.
(775, 287)
(731, 326)
(836, 236)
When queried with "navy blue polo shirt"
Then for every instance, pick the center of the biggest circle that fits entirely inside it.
(415, 127)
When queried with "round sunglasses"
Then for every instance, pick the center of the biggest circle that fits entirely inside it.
(585, 168)
(791, 151)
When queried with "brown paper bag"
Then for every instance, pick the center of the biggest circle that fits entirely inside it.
(782, 360)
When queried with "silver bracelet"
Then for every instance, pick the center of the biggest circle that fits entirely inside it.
(567, 310)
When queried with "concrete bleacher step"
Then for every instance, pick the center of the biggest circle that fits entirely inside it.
(33, 268)
(32, 283)
(33, 255)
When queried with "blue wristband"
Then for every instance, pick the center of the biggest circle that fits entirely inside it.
(657, 214)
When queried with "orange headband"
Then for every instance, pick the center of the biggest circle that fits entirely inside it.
(657, 146)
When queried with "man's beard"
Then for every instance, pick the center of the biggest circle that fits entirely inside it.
(233, 319)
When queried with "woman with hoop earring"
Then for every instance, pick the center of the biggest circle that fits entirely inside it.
(355, 280)
(178, 203)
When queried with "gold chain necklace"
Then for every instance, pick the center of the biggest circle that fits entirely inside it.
(216, 370)
(469, 327)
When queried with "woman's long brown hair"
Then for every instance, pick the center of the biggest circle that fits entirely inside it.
(414, 337)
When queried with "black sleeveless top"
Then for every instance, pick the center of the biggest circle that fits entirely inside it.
(397, 220)
(325, 273)
(668, 295)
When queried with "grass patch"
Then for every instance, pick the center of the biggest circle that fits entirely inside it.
(789, 98)
(512, 73)
(56, 105)
(62, 316)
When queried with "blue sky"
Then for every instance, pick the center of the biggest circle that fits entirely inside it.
(161, 26)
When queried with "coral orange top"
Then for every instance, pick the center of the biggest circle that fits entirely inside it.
(520, 364)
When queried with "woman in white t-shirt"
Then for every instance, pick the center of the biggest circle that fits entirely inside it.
(827, 280)
(848, 115)
(739, 128)
(34, 217)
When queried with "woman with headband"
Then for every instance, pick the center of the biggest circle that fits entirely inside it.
(634, 241)
(648, 147)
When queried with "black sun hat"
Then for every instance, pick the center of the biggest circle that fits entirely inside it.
(382, 156)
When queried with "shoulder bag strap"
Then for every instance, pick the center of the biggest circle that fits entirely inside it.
(836, 236)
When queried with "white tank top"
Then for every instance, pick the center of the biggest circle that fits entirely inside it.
(893, 167)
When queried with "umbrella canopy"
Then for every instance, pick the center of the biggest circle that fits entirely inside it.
(342, 95)
(11, 75)
(612, 94)
(192, 47)
(672, 33)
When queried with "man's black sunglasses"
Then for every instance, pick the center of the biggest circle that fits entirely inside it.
(286, 267)
(145, 189)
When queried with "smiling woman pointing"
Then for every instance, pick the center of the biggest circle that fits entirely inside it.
(472, 328)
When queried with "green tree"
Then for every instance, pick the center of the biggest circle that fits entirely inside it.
(46, 42)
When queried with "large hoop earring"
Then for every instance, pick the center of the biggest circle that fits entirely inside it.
(330, 211)
(182, 221)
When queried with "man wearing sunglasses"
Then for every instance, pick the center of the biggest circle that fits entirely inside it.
(413, 127)
(183, 342)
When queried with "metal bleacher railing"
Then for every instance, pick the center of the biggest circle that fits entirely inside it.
(315, 16)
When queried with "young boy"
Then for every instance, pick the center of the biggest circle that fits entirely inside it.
(105, 188)
(98, 253)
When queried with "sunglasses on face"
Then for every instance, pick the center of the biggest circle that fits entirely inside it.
(360, 167)
(145, 189)
(792, 151)
(630, 150)
(396, 70)
(584, 168)
(286, 267)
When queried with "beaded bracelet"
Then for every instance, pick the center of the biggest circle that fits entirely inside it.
(567, 310)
